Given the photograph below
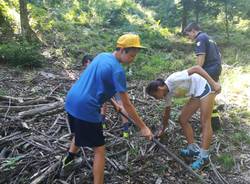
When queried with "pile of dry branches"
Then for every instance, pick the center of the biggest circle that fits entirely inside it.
(34, 137)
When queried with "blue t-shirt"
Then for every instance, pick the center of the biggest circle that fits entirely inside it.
(205, 45)
(98, 83)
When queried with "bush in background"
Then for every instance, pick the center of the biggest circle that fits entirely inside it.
(21, 54)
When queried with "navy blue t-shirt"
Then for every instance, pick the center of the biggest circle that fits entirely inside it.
(205, 45)
(98, 83)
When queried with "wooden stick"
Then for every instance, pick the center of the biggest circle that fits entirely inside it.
(171, 154)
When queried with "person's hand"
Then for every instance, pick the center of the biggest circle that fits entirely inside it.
(118, 108)
(217, 88)
(160, 132)
(146, 132)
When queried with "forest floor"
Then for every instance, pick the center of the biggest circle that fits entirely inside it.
(34, 135)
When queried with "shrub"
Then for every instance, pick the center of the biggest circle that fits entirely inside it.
(22, 54)
(227, 161)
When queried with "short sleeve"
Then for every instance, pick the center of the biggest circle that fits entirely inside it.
(200, 47)
(119, 79)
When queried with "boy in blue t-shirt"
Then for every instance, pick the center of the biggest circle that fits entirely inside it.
(101, 80)
(87, 59)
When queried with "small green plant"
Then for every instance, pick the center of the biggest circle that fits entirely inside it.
(21, 54)
(226, 160)
(10, 163)
(241, 137)
(3, 92)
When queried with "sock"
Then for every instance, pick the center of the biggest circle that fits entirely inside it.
(125, 126)
(103, 118)
(125, 133)
(70, 157)
(204, 153)
(194, 147)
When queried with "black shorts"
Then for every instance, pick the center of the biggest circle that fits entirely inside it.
(86, 133)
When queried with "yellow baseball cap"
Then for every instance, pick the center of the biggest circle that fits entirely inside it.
(129, 40)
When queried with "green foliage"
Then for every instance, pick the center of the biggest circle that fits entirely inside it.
(3, 92)
(180, 101)
(10, 163)
(226, 160)
(22, 54)
(150, 66)
(241, 137)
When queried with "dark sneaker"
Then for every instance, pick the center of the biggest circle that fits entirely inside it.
(215, 120)
(188, 153)
(200, 164)
(70, 166)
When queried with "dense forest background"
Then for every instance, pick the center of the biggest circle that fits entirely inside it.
(53, 36)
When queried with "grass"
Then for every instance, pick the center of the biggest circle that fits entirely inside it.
(241, 137)
(227, 161)
(3, 92)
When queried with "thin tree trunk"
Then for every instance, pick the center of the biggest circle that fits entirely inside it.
(26, 30)
(226, 19)
(184, 15)
(197, 11)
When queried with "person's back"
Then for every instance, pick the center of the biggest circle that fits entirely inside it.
(94, 87)
(181, 84)
(206, 45)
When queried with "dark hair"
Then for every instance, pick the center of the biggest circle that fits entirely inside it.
(87, 58)
(153, 86)
(127, 49)
(191, 26)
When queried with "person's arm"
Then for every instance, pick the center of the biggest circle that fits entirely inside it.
(200, 59)
(129, 107)
(165, 118)
(197, 69)
(116, 106)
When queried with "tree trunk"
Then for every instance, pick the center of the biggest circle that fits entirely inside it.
(184, 15)
(197, 12)
(226, 19)
(26, 30)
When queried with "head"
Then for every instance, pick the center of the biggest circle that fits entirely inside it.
(86, 60)
(157, 88)
(128, 46)
(191, 30)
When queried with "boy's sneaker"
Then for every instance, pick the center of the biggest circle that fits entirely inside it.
(125, 134)
(67, 168)
(104, 126)
(189, 153)
(200, 163)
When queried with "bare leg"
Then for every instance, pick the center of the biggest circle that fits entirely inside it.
(186, 113)
(73, 148)
(207, 104)
(98, 166)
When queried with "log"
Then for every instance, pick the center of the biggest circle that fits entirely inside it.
(44, 175)
(42, 109)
